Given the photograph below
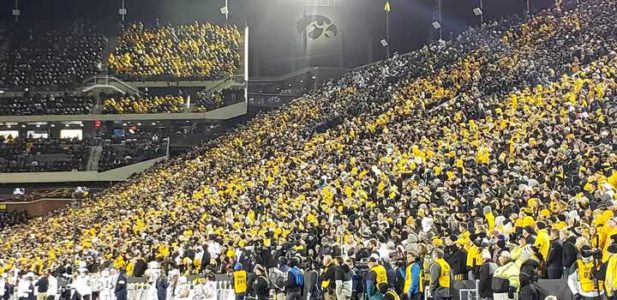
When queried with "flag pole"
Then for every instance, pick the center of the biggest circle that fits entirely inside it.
(388, 32)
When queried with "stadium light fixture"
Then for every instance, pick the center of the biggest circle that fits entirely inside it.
(478, 11)
(122, 11)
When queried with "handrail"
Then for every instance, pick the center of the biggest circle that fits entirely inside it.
(107, 79)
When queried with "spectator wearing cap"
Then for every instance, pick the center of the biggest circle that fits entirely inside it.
(583, 281)
(376, 282)
(295, 280)
(259, 286)
(486, 276)
(508, 278)
(456, 256)
(554, 260)
(239, 281)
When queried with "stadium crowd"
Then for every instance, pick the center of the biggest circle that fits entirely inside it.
(134, 104)
(10, 218)
(129, 150)
(490, 157)
(47, 58)
(46, 104)
(37, 155)
(197, 50)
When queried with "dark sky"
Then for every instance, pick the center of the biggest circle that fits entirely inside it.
(409, 20)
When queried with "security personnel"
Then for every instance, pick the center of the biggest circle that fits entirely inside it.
(239, 281)
(610, 281)
(413, 286)
(120, 290)
(376, 280)
(440, 276)
(583, 281)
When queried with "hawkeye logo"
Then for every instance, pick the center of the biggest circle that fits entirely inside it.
(317, 26)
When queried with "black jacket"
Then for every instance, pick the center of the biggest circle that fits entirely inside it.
(329, 274)
(42, 285)
(484, 285)
(120, 290)
(260, 289)
(140, 267)
(569, 252)
(555, 256)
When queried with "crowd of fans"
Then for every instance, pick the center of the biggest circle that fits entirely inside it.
(492, 156)
(200, 101)
(60, 57)
(122, 152)
(33, 155)
(46, 104)
(134, 104)
(10, 218)
(197, 50)
(206, 101)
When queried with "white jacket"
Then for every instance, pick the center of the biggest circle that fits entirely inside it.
(53, 286)
(24, 288)
(2, 284)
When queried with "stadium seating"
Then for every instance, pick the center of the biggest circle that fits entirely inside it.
(36, 155)
(129, 150)
(509, 128)
(51, 59)
(46, 104)
(144, 104)
(193, 51)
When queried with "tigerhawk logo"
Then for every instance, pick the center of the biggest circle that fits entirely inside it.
(316, 26)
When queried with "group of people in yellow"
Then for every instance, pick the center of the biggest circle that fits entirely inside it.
(197, 50)
(144, 104)
(498, 155)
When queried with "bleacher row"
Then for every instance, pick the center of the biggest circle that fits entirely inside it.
(67, 104)
(55, 155)
(40, 60)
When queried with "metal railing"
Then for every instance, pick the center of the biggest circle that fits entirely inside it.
(108, 80)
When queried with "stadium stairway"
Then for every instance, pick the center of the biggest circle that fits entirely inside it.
(94, 158)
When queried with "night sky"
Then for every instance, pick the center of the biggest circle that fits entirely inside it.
(409, 19)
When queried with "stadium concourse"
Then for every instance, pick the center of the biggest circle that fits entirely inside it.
(491, 157)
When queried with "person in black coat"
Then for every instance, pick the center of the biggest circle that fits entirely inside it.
(259, 287)
(42, 285)
(161, 287)
(140, 266)
(486, 276)
(527, 278)
(205, 259)
(569, 251)
(554, 261)
(120, 290)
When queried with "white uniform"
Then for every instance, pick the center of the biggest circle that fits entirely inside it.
(2, 285)
(107, 288)
(24, 288)
(53, 286)
(82, 285)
